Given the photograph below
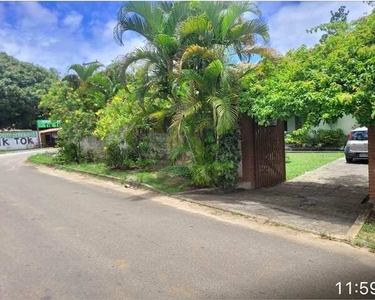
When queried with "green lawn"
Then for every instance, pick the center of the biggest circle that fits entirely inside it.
(366, 237)
(3, 152)
(299, 163)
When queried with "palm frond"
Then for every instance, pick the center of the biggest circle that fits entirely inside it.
(167, 43)
(257, 27)
(177, 151)
(91, 69)
(79, 69)
(197, 51)
(85, 72)
(197, 24)
(212, 72)
(265, 52)
(71, 78)
(233, 13)
(177, 12)
(225, 113)
(188, 74)
(140, 54)
(213, 12)
(141, 17)
(189, 108)
(100, 81)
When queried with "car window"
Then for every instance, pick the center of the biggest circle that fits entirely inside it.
(359, 136)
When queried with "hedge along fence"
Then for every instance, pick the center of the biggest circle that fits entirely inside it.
(321, 138)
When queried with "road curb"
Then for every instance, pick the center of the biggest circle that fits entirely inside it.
(361, 219)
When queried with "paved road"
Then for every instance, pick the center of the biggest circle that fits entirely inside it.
(64, 238)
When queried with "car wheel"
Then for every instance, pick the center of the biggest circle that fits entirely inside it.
(349, 160)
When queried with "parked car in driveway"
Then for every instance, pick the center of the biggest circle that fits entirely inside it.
(357, 145)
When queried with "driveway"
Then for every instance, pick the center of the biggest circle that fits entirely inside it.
(326, 200)
(67, 236)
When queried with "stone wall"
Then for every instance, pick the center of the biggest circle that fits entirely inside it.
(92, 144)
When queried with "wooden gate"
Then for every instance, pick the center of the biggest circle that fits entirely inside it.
(269, 154)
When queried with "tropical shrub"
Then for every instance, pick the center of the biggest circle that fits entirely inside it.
(317, 138)
(330, 137)
(301, 137)
(117, 156)
(69, 152)
(229, 156)
(179, 171)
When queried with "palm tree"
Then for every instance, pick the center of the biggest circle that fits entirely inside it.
(157, 23)
(108, 86)
(82, 73)
(191, 59)
(220, 36)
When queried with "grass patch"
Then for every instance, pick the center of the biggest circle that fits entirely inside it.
(325, 235)
(300, 163)
(96, 168)
(162, 182)
(3, 151)
(44, 158)
(165, 180)
(366, 236)
(174, 179)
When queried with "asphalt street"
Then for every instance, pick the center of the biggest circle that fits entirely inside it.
(64, 236)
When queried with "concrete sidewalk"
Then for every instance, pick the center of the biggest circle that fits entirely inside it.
(326, 200)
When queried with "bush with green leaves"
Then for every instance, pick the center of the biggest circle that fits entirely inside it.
(118, 157)
(179, 171)
(317, 138)
(90, 156)
(330, 137)
(300, 137)
(229, 156)
(69, 152)
(221, 170)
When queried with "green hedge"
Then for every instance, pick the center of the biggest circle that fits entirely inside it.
(317, 138)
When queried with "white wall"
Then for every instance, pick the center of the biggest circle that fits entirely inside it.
(18, 140)
(291, 124)
(346, 123)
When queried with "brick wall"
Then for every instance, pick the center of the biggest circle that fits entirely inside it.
(371, 161)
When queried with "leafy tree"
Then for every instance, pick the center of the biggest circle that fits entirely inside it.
(337, 22)
(76, 113)
(77, 106)
(21, 88)
(320, 84)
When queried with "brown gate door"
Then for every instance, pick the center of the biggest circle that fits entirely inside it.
(269, 154)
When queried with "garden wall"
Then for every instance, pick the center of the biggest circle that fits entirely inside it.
(18, 140)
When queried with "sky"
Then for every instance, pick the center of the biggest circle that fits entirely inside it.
(59, 34)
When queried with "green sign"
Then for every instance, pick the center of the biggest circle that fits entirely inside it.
(17, 134)
(47, 124)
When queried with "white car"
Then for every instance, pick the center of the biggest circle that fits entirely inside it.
(357, 145)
